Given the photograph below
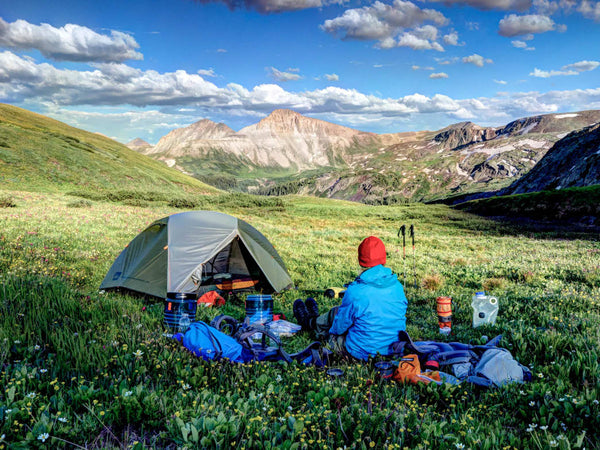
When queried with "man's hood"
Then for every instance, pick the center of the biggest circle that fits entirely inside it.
(378, 276)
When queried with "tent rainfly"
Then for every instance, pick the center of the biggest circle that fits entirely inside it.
(184, 251)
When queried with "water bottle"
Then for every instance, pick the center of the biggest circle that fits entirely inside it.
(184, 322)
(485, 309)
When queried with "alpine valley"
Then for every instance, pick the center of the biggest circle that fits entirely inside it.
(288, 153)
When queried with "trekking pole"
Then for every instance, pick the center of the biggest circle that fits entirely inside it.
(402, 231)
(411, 231)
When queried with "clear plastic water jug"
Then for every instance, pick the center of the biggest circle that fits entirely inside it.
(184, 322)
(259, 309)
(485, 309)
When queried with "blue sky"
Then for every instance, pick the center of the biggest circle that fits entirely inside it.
(142, 68)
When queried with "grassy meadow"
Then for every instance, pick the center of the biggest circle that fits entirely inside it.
(82, 369)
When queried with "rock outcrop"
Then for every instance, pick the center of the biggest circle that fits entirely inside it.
(139, 145)
(574, 161)
(283, 139)
(464, 133)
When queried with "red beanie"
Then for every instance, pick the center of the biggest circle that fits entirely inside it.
(371, 252)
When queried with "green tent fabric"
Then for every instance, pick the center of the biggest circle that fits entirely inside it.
(182, 251)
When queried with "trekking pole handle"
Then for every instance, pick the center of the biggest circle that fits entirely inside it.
(402, 230)
(411, 231)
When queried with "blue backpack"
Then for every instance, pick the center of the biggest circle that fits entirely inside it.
(210, 343)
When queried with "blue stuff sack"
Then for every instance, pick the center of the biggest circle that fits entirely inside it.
(209, 343)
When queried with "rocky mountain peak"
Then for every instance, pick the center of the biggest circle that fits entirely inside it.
(464, 133)
(138, 145)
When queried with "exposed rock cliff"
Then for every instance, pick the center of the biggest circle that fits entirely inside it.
(574, 161)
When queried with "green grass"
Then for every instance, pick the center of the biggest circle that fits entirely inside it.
(568, 205)
(94, 370)
(41, 154)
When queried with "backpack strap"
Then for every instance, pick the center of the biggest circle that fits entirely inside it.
(225, 324)
(215, 342)
(314, 354)
(261, 350)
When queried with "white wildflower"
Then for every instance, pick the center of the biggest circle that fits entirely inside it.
(127, 394)
(42, 437)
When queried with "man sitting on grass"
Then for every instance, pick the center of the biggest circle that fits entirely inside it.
(372, 312)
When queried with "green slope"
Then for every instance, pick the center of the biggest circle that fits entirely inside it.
(573, 205)
(41, 154)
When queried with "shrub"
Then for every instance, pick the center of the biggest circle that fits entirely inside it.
(492, 284)
(432, 282)
(81, 203)
(183, 203)
(7, 202)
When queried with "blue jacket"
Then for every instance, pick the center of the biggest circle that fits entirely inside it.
(372, 312)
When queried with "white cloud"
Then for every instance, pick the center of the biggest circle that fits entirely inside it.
(476, 60)
(500, 82)
(283, 76)
(568, 70)
(582, 66)
(451, 38)
(382, 22)
(447, 61)
(24, 82)
(416, 41)
(514, 25)
(486, 5)
(207, 72)
(590, 10)
(521, 44)
(438, 75)
(69, 43)
(552, 73)
(332, 77)
(415, 67)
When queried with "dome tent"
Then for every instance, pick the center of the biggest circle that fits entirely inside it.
(184, 251)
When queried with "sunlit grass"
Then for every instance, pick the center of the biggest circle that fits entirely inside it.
(95, 370)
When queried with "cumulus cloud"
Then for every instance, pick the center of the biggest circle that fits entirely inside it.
(476, 60)
(451, 38)
(283, 76)
(590, 10)
(438, 75)
(69, 43)
(382, 22)
(25, 82)
(332, 77)
(500, 82)
(274, 6)
(486, 5)
(514, 25)
(568, 70)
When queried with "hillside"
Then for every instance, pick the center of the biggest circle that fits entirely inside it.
(289, 153)
(39, 153)
(577, 206)
(574, 161)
